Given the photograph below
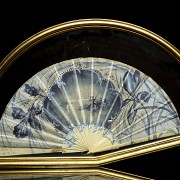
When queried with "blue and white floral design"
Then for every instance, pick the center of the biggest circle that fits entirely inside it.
(87, 104)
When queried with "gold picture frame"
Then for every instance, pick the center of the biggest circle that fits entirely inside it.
(97, 160)
(90, 173)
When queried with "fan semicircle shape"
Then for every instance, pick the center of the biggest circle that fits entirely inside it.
(86, 105)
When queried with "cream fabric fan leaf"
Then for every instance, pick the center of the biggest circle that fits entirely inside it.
(86, 105)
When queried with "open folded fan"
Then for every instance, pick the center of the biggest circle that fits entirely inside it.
(86, 105)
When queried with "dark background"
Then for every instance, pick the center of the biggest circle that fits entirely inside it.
(20, 21)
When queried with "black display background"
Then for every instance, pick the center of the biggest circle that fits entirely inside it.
(20, 21)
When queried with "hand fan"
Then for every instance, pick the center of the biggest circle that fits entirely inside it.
(95, 98)
(87, 105)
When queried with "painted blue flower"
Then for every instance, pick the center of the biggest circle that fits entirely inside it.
(32, 91)
(18, 113)
(144, 96)
(21, 130)
(131, 81)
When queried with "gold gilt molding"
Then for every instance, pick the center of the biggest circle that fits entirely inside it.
(83, 24)
(102, 173)
(87, 161)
